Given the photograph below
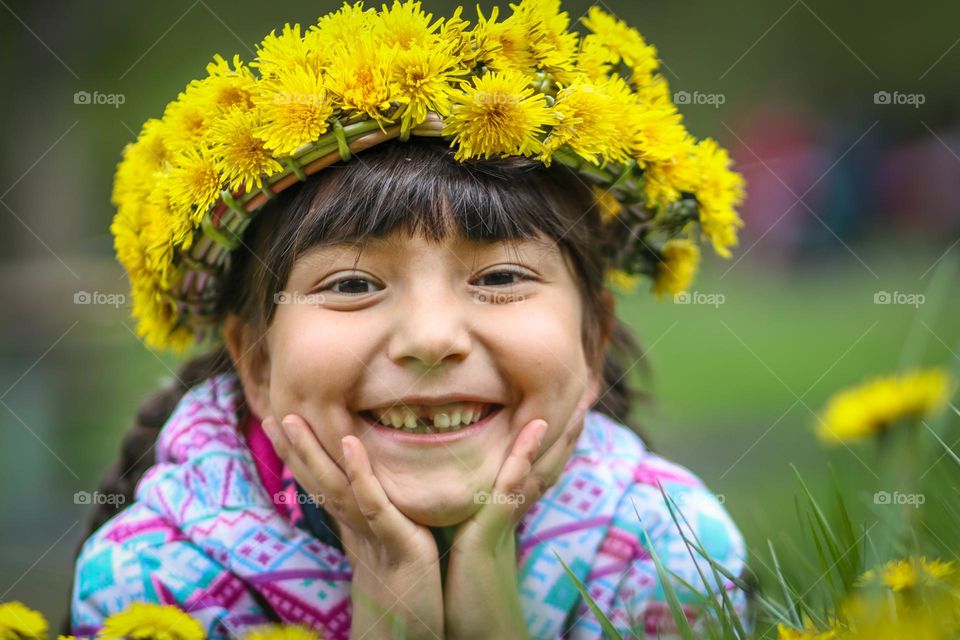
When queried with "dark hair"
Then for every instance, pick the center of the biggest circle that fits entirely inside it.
(414, 186)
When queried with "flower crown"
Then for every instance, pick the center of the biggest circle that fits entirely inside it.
(523, 85)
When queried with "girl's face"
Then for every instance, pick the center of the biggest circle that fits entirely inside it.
(410, 321)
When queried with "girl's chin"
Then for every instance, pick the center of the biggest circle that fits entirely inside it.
(424, 507)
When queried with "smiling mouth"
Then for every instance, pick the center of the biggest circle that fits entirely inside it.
(427, 420)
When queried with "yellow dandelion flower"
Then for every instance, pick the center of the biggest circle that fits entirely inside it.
(594, 60)
(185, 119)
(719, 191)
(658, 133)
(295, 108)
(282, 632)
(869, 618)
(663, 181)
(125, 228)
(608, 204)
(146, 621)
(140, 159)
(359, 73)
(680, 260)
(552, 46)
(405, 24)
(621, 280)
(898, 575)
(239, 153)
(453, 33)
(623, 41)
(193, 184)
(162, 231)
(339, 26)
(501, 46)
(499, 113)
(655, 92)
(225, 86)
(422, 81)
(157, 318)
(808, 633)
(590, 117)
(876, 405)
(19, 622)
(281, 53)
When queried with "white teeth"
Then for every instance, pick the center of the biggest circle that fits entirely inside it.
(410, 421)
(438, 418)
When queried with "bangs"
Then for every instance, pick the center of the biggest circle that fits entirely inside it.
(419, 189)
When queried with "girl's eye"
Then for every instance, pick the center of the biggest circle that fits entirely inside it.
(350, 286)
(502, 278)
(356, 285)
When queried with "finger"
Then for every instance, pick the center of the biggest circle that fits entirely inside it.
(550, 465)
(299, 448)
(309, 449)
(279, 439)
(383, 518)
(515, 469)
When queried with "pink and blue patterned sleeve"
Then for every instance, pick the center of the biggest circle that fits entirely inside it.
(630, 592)
(137, 556)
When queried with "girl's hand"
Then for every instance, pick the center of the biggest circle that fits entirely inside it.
(482, 575)
(396, 571)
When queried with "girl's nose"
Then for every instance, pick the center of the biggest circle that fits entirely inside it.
(431, 325)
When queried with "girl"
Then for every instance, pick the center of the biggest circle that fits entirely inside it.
(415, 415)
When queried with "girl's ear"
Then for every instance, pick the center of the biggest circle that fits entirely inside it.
(251, 362)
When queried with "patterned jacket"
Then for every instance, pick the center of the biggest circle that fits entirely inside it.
(217, 528)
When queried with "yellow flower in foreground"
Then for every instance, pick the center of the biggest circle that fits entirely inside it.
(18, 622)
(907, 574)
(680, 261)
(147, 621)
(808, 633)
(498, 114)
(282, 632)
(874, 406)
(869, 618)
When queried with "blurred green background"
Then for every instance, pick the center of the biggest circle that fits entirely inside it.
(844, 118)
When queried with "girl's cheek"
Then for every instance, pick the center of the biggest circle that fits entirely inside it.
(312, 362)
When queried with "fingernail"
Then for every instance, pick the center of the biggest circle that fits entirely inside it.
(346, 448)
(268, 428)
(541, 432)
